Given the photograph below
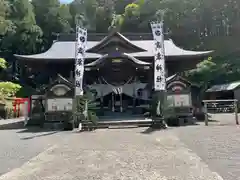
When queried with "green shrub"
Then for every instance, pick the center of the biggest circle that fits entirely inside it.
(87, 101)
(6, 109)
(9, 112)
(9, 89)
(155, 110)
(3, 63)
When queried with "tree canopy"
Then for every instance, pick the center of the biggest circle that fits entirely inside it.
(28, 27)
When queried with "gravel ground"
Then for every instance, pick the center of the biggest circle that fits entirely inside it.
(193, 152)
(223, 119)
(116, 154)
(18, 145)
(218, 145)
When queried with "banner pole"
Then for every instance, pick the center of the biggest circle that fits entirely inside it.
(81, 40)
(159, 97)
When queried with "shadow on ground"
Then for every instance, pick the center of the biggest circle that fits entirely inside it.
(12, 125)
(39, 135)
(32, 130)
(150, 130)
(209, 120)
(23, 129)
(37, 132)
(35, 129)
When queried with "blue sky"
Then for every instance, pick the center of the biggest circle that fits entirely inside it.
(66, 1)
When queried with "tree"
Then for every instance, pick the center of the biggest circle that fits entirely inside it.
(97, 15)
(87, 10)
(4, 23)
(3, 64)
(24, 35)
(9, 89)
(65, 17)
(7, 28)
(119, 6)
(52, 18)
(208, 23)
(3, 67)
(204, 72)
(208, 73)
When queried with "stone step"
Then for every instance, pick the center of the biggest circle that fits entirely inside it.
(53, 125)
(103, 124)
(124, 123)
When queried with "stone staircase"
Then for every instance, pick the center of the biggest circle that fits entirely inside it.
(118, 124)
(123, 120)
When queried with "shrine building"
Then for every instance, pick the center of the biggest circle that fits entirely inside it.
(118, 67)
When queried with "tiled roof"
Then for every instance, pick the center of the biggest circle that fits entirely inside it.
(224, 87)
(64, 50)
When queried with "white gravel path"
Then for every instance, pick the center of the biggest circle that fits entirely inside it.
(116, 155)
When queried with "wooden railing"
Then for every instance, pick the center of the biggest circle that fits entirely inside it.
(221, 106)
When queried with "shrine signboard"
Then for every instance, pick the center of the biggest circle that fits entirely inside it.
(59, 104)
(59, 99)
(179, 94)
(179, 100)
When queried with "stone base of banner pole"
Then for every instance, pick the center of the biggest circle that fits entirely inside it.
(157, 110)
(77, 114)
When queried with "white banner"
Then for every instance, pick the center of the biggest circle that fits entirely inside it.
(159, 56)
(79, 62)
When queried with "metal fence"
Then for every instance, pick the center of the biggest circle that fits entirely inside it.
(221, 111)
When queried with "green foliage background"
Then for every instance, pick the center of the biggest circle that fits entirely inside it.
(9, 89)
(3, 64)
(28, 27)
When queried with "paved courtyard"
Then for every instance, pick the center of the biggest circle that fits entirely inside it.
(193, 152)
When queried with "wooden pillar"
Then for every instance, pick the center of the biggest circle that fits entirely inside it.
(18, 109)
(101, 102)
(121, 103)
(236, 111)
(71, 76)
(113, 108)
(134, 96)
(206, 113)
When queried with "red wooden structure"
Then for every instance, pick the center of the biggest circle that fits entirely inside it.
(17, 105)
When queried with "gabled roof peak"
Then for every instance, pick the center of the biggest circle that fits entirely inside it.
(122, 39)
(60, 79)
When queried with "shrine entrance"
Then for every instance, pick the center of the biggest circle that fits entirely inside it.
(117, 104)
(119, 79)
(124, 102)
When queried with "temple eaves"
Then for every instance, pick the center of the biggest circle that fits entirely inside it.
(65, 50)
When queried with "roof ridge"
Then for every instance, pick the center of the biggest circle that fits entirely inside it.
(65, 50)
